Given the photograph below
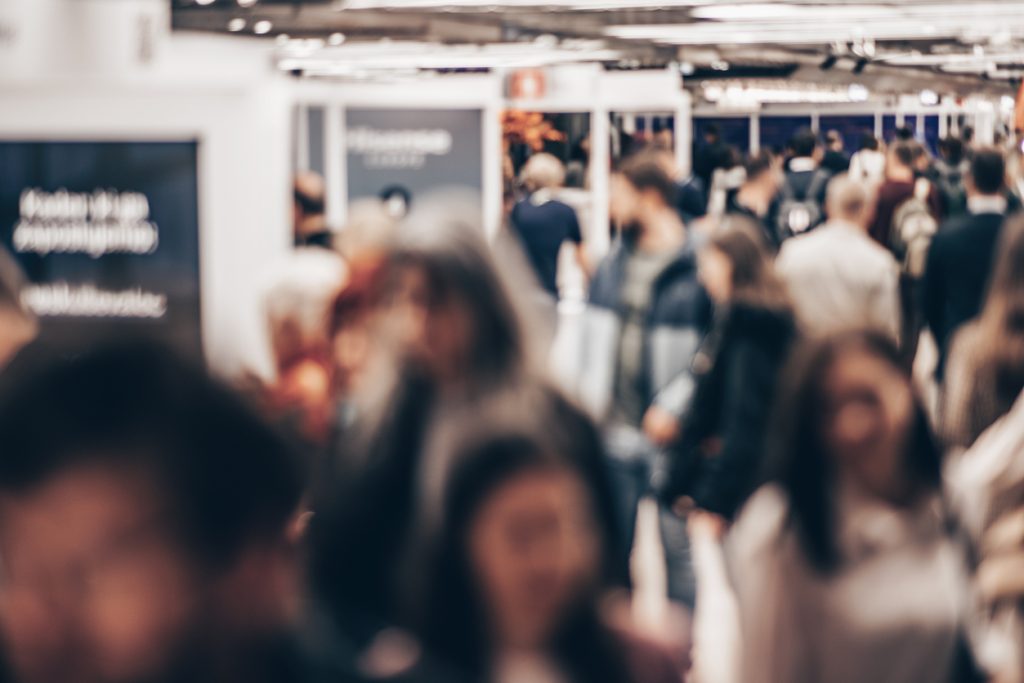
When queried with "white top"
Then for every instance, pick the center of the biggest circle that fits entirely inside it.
(890, 614)
(868, 165)
(839, 278)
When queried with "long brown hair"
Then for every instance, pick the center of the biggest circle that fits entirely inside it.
(1001, 324)
(754, 281)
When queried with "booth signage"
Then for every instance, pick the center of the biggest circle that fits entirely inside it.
(107, 234)
(419, 151)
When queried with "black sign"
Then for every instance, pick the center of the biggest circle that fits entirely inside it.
(108, 236)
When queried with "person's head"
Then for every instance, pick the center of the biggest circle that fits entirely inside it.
(641, 188)
(448, 307)
(848, 418)
(987, 174)
(143, 517)
(904, 133)
(397, 201)
(1002, 318)
(522, 539)
(922, 158)
(869, 142)
(543, 172)
(834, 141)
(804, 143)
(848, 200)
(952, 150)
(901, 156)
(735, 266)
(308, 203)
(761, 173)
(18, 326)
(712, 133)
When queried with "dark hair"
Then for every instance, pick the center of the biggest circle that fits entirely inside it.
(904, 133)
(754, 281)
(758, 164)
(988, 171)
(645, 173)
(308, 203)
(904, 153)
(454, 625)
(712, 130)
(458, 266)
(797, 459)
(953, 149)
(396, 191)
(227, 477)
(833, 137)
(1001, 324)
(804, 142)
(868, 141)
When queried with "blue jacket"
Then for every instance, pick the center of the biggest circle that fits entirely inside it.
(678, 319)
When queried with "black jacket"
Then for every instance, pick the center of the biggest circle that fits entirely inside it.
(718, 460)
(956, 276)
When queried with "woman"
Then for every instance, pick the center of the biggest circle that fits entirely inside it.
(842, 565)
(717, 461)
(444, 334)
(985, 370)
(517, 571)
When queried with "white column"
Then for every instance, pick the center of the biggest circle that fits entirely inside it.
(684, 135)
(492, 178)
(755, 133)
(600, 160)
(335, 164)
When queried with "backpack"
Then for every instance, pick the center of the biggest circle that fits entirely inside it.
(951, 187)
(799, 213)
(913, 227)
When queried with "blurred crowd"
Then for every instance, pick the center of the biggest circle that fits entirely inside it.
(808, 363)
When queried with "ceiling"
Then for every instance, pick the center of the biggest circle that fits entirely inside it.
(951, 46)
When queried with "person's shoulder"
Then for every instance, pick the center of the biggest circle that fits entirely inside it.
(762, 524)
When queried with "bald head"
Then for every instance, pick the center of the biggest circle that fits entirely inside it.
(848, 200)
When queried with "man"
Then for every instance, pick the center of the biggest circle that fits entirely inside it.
(899, 186)
(144, 517)
(18, 326)
(645, 320)
(838, 277)
(960, 259)
(310, 225)
(543, 223)
(836, 160)
(755, 198)
(709, 156)
(802, 195)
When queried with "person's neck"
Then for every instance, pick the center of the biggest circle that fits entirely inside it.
(661, 231)
(755, 198)
(901, 174)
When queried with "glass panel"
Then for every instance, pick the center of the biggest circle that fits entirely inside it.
(852, 127)
(777, 131)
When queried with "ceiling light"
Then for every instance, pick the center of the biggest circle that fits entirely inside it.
(336, 39)
(929, 98)
(237, 24)
(686, 68)
(979, 50)
(246, 3)
(857, 93)
(205, 2)
(720, 65)
(262, 27)
(282, 39)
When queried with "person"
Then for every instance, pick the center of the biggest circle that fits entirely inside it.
(296, 306)
(868, 163)
(18, 326)
(843, 566)
(802, 194)
(396, 201)
(960, 260)
(516, 576)
(951, 169)
(642, 326)
(838, 277)
(985, 371)
(440, 334)
(726, 179)
(543, 223)
(835, 160)
(898, 188)
(718, 459)
(755, 198)
(691, 197)
(709, 156)
(145, 525)
(310, 224)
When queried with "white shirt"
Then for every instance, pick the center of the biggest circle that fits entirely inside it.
(839, 278)
(986, 204)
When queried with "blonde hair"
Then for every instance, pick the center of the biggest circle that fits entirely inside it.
(543, 171)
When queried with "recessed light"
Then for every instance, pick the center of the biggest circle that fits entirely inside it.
(237, 24)
(262, 27)
(282, 39)
(205, 2)
(336, 39)
(246, 3)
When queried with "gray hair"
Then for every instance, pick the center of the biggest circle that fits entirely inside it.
(847, 197)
